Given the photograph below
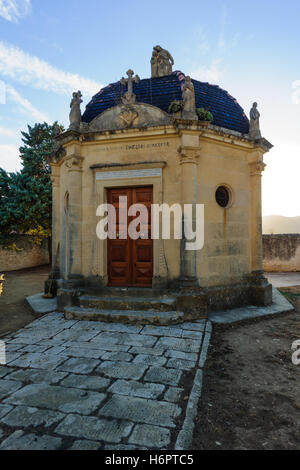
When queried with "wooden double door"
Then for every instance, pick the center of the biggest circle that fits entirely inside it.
(130, 261)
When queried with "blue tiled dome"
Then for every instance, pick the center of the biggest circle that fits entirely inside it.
(161, 91)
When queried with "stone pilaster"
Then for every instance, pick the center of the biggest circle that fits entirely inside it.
(55, 179)
(74, 165)
(188, 157)
(256, 168)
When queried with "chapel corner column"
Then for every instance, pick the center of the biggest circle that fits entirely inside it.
(74, 166)
(55, 180)
(261, 289)
(188, 160)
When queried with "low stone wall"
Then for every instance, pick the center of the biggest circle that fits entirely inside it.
(21, 253)
(281, 253)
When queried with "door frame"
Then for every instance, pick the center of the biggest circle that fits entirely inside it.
(131, 242)
(99, 261)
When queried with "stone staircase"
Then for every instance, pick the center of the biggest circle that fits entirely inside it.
(127, 305)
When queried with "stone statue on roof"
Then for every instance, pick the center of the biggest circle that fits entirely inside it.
(254, 130)
(75, 113)
(161, 62)
(188, 98)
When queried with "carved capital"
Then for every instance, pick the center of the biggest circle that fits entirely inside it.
(57, 154)
(188, 155)
(74, 163)
(256, 168)
(54, 180)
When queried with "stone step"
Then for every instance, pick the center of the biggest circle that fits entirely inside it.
(126, 292)
(134, 317)
(160, 304)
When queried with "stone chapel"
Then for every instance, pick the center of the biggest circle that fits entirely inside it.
(165, 139)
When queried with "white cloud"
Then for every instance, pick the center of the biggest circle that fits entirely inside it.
(9, 158)
(13, 10)
(4, 131)
(25, 105)
(211, 74)
(30, 70)
(296, 93)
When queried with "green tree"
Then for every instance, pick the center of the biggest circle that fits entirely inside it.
(26, 196)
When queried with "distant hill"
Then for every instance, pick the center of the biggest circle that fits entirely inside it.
(273, 224)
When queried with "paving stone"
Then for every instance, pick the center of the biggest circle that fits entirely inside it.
(136, 389)
(68, 400)
(181, 364)
(141, 410)
(153, 351)
(172, 353)
(93, 428)
(85, 445)
(8, 386)
(139, 340)
(41, 305)
(192, 334)
(76, 335)
(150, 360)
(11, 356)
(85, 382)
(20, 441)
(13, 347)
(100, 346)
(163, 375)
(150, 436)
(205, 347)
(58, 349)
(116, 356)
(197, 326)
(84, 352)
(79, 365)
(119, 327)
(173, 394)
(33, 348)
(185, 345)
(122, 370)
(37, 376)
(4, 409)
(123, 447)
(23, 416)
(1, 433)
(162, 331)
(39, 361)
(4, 371)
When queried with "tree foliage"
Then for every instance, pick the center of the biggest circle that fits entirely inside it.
(26, 196)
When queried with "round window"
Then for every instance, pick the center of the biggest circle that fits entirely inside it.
(223, 196)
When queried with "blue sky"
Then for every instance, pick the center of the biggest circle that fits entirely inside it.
(48, 48)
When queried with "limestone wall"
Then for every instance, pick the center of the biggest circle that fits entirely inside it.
(21, 254)
(281, 252)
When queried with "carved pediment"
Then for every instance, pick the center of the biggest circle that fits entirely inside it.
(125, 116)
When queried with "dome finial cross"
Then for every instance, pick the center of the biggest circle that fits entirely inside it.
(129, 96)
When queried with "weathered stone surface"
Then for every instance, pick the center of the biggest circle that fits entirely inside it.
(163, 375)
(23, 416)
(122, 370)
(197, 326)
(37, 376)
(20, 441)
(174, 354)
(40, 305)
(11, 356)
(173, 394)
(4, 371)
(192, 334)
(141, 410)
(4, 409)
(119, 327)
(140, 350)
(123, 338)
(185, 345)
(116, 356)
(84, 352)
(123, 447)
(181, 364)
(52, 397)
(150, 436)
(162, 331)
(8, 386)
(85, 445)
(79, 365)
(150, 360)
(136, 389)
(90, 427)
(39, 361)
(101, 346)
(33, 348)
(86, 382)
(76, 335)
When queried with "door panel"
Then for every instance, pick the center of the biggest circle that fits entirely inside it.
(130, 262)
